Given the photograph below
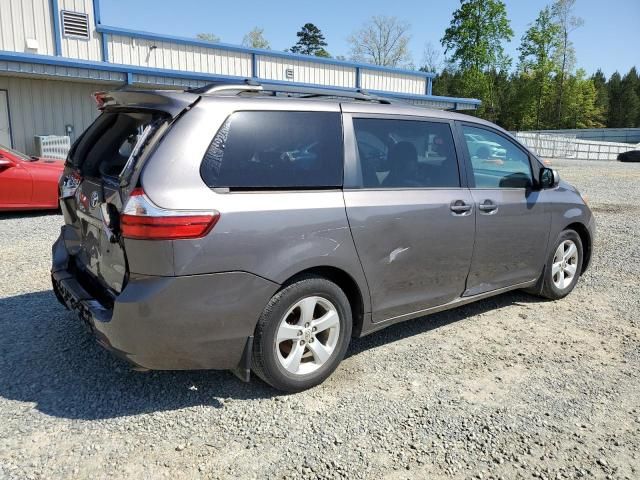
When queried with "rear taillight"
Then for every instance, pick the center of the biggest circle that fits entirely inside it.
(69, 184)
(143, 220)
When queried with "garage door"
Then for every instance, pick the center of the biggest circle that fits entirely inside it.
(5, 126)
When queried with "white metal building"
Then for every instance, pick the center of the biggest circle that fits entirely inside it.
(55, 53)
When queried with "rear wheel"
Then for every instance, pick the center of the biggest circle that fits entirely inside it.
(563, 266)
(302, 334)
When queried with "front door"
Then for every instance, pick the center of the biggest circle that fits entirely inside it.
(5, 125)
(512, 225)
(412, 222)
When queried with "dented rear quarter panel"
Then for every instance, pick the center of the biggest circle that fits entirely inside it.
(274, 235)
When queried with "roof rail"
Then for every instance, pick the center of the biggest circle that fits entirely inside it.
(252, 86)
(213, 88)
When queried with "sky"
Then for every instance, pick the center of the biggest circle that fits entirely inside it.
(608, 40)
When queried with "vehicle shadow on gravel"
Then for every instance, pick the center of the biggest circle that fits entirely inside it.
(48, 358)
(427, 323)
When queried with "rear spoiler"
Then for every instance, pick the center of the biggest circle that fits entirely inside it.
(168, 101)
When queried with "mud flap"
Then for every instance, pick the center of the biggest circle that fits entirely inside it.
(537, 288)
(243, 370)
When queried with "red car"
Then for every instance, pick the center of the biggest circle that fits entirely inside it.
(28, 183)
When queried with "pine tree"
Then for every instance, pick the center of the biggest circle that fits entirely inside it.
(602, 94)
(629, 99)
(616, 107)
(310, 41)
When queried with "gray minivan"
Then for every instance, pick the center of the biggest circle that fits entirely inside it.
(253, 227)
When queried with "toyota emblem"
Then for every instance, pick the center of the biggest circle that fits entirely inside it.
(94, 199)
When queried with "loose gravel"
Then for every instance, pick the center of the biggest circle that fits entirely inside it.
(510, 387)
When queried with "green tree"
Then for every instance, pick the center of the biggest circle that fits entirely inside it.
(255, 39)
(630, 100)
(616, 107)
(562, 11)
(475, 36)
(581, 109)
(310, 41)
(208, 37)
(537, 49)
(602, 94)
(474, 41)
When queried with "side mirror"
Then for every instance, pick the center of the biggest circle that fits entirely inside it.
(5, 163)
(549, 178)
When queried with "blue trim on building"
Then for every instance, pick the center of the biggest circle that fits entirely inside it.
(130, 70)
(254, 66)
(357, 77)
(57, 33)
(104, 40)
(96, 11)
(258, 51)
(129, 78)
(429, 86)
(109, 67)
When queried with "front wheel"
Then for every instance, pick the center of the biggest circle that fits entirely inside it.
(563, 266)
(302, 335)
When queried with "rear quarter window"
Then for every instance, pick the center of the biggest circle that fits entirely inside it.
(275, 150)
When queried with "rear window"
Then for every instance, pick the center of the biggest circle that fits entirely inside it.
(275, 150)
(105, 147)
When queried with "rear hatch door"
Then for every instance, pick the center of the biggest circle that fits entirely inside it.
(101, 171)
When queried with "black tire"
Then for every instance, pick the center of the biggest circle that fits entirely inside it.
(265, 362)
(548, 289)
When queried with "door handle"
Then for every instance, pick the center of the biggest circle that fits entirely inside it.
(487, 206)
(460, 207)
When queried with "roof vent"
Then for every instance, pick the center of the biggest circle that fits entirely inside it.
(75, 24)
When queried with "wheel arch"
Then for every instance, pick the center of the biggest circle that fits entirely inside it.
(348, 285)
(587, 242)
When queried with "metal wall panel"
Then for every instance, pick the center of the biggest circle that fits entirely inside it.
(176, 56)
(26, 19)
(45, 107)
(159, 81)
(85, 49)
(392, 82)
(274, 68)
(59, 71)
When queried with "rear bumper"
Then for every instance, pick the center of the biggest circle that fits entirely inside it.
(171, 323)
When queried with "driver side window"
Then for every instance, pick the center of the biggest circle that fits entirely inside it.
(496, 161)
(405, 154)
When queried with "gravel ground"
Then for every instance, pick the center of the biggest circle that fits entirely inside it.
(510, 387)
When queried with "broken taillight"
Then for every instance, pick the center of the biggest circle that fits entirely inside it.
(70, 184)
(143, 220)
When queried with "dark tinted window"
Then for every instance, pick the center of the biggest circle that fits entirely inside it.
(406, 154)
(497, 162)
(279, 150)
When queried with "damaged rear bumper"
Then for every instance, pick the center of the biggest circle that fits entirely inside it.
(172, 323)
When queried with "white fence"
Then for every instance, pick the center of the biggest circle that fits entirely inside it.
(560, 146)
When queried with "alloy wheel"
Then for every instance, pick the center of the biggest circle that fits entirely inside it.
(307, 335)
(565, 264)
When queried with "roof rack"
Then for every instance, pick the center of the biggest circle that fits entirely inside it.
(252, 86)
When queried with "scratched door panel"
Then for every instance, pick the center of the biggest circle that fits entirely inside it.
(414, 250)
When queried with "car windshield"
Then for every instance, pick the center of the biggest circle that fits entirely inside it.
(20, 155)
